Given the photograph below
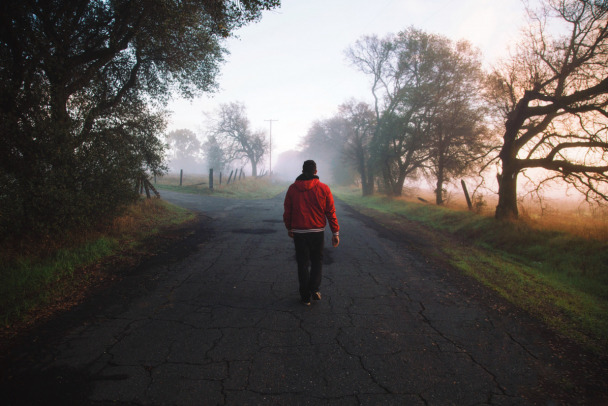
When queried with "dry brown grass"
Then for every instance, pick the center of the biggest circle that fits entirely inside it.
(565, 215)
(580, 220)
(248, 187)
(145, 214)
(138, 219)
(172, 179)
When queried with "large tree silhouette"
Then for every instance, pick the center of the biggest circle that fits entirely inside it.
(553, 95)
(82, 85)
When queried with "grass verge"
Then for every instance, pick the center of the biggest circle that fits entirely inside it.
(37, 279)
(247, 188)
(555, 276)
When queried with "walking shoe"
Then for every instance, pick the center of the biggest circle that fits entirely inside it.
(306, 302)
(316, 296)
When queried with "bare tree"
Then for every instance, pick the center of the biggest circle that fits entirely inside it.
(372, 56)
(234, 135)
(553, 94)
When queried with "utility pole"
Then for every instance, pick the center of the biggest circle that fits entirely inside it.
(271, 120)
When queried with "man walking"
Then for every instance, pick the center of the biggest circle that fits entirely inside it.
(309, 205)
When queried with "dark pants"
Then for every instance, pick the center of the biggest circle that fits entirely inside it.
(309, 251)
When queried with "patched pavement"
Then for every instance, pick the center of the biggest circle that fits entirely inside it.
(221, 324)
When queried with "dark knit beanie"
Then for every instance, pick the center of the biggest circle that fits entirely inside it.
(309, 167)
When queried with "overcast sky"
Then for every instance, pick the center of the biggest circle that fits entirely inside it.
(291, 67)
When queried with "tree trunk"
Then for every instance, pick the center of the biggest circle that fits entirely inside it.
(507, 195)
(367, 185)
(439, 185)
(439, 190)
(397, 190)
(254, 168)
(387, 182)
(398, 185)
(440, 167)
(367, 178)
(507, 181)
(368, 188)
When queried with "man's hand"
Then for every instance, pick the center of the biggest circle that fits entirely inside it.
(335, 240)
(290, 234)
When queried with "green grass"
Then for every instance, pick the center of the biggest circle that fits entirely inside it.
(557, 277)
(38, 275)
(30, 281)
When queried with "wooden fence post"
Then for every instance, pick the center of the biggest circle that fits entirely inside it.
(220, 178)
(181, 174)
(466, 194)
(230, 177)
(211, 179)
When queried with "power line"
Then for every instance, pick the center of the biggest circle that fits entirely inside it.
(271, 120)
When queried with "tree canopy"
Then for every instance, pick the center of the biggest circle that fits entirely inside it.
(185, 151)
(426, 106)
(82, 86)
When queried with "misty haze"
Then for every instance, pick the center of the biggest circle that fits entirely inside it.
(220, 202)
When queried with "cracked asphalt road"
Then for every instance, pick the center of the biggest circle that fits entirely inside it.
(221, 324)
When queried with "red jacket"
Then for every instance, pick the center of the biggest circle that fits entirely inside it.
(308, 204)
